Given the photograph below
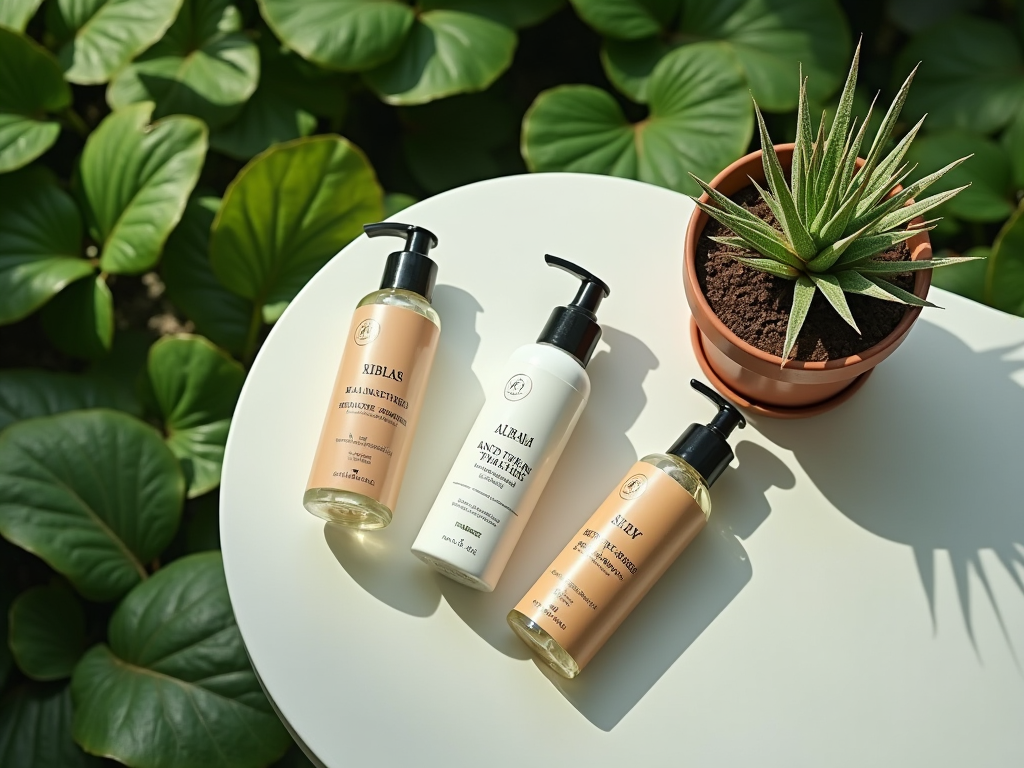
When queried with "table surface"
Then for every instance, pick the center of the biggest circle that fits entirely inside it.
(857, 597)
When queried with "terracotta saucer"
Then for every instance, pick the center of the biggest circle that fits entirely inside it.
(763, 409)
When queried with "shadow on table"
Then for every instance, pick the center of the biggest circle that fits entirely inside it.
(929, 454)
(380, 561)
(701, 584)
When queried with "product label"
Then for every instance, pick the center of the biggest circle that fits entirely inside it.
(376, 402)
(607, 568)
(501, 470)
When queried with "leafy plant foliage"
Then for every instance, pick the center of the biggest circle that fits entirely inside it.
(172, 172)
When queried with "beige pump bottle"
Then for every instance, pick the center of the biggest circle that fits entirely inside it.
(364, 445)
(626, 546)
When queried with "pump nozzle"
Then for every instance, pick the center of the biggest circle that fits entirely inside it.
(704, 447)
(574, 328)
(409, 269)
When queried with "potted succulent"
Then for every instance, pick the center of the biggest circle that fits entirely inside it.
(797, 291)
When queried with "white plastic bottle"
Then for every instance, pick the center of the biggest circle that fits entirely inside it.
(514, 445)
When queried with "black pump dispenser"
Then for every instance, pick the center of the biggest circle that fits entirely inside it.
(410, 269)
(705, 447)
(574, 328)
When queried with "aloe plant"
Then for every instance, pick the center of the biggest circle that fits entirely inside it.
(835, 217)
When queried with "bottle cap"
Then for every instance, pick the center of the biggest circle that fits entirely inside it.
(410, 269)
(574, 328)
(705, 447)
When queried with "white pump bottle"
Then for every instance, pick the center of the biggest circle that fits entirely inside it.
(514, 445)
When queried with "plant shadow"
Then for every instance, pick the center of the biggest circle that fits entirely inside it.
(380, 561)
(694, 591)
(911, 470)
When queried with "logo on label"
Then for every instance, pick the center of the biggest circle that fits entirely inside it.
(366, 331)
(518, 387)
(633, 487)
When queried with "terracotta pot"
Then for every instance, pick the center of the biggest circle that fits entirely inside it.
(757, 379)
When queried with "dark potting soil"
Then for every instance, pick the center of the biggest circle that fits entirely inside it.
(755, 305)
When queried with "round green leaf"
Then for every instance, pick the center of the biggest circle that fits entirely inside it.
(967, 278)
(287, 213)
(988, 172)
(217, 312)
(516, 14)
(47, 632)
(15, 14)
(96, 494)
(196, 387)
(971, 75)
(30, 393)
(31, 84)
(134, 180)
(204, 66)
(349, 35)
(701, 119)
(80, 320)
(175, 686)
(35, 729)
(100, 36)
(40, 242)
(770, 40)
(1004, 283)
(447, 52)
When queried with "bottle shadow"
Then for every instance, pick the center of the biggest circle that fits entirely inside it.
(380, 561)
(928, 454)
(694, 591)
(596, 455)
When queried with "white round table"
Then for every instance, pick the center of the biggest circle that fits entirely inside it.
(857, 598)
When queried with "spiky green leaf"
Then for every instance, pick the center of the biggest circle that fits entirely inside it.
(801, 150)
(854, 282)
(803, 292)
(838, 142)
(831, 253)
(771, 267)
(910, 212)
(900, 267)
(831, 290)
(871, 245)
(756, 239)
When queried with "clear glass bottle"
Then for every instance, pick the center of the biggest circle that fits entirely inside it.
(382, 380)
(650, 517)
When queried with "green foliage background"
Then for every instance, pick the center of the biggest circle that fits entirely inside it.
(172, 172)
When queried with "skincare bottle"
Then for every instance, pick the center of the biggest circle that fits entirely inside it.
(656, 510)
(509, 454)
(366, 437)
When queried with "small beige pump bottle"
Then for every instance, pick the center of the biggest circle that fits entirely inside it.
(650, 517)
(367, 434)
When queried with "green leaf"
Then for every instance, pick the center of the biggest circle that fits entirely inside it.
(876, 288)
(204, 66)
(29, 393)
(47, 632)
(988, 172)
(967, 279)
(770, 40)
(769, 266)
(700, 121)
(914, 15)
(831, 290)
(284, 106)
(80, 320)
(900, 267)
(40, 242)
(803, 292)
(96, 494)
(16, 14)
(349, 35)
(35, 729)
(217, 313)
(31, 85)
(134, 180)
(871, 245)
(1004, 282)
(121, 371)
(447, 52)
(517, 14)
(972, 74)
(101, 36)
(196, 387)
(769, 244)
(395, 202)
(175, 686)
(287, 213)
